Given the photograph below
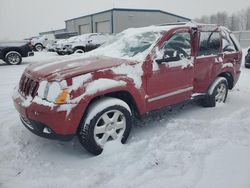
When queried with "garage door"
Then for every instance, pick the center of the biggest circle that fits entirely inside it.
(103, 27)
(84, 29)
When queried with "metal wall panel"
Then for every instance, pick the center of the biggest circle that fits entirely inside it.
(86, 28)
(128, 19)
(103, 27)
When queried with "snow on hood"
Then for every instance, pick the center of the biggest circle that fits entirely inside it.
(63, 69)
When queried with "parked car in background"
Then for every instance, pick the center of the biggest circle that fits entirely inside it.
(141, 70)
(12, 51)
(39, 42)
(247, 59)
(82, 43)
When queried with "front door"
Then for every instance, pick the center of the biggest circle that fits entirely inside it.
(171, 80)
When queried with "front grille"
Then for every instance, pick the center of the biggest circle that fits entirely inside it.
(27, 86)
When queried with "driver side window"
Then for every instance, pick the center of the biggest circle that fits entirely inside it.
(178, 47)
(179, 42)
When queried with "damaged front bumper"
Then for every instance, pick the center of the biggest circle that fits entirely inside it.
(43, 130)
(48, 119)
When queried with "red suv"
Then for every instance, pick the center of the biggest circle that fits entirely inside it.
(95, 96)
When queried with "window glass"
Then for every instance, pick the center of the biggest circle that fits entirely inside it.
(227, 43)
(235, 41)
(209, 43)
(180, 44)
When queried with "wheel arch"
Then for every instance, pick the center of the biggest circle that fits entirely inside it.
(80, 48)
(229, 77)
(7, 50)
(122, 95)
(39, 43)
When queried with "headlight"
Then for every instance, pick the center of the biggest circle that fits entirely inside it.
(53, 92)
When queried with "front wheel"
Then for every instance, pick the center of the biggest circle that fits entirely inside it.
(107, 119)
(217, 93)
(79, 51)
(39, 47)
(13, 58)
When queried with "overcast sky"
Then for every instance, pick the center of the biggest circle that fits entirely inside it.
(25, 18)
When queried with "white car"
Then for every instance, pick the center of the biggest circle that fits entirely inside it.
(82, 43)
(40, 42)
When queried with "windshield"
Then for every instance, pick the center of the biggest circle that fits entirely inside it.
(133, 43)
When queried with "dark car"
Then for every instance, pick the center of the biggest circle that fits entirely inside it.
(12, 51)
(247, 59)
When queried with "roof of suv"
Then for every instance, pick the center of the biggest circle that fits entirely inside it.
(200, 26)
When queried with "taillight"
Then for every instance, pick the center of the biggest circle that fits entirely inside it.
(30, 45)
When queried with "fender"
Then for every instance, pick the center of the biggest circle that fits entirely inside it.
(137, 95)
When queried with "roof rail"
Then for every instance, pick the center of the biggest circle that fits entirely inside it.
(190, 23)
(173, 23)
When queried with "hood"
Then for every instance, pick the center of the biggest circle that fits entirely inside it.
(63, 69)
(13, 43)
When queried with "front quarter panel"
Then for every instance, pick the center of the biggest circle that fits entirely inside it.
(106, 82)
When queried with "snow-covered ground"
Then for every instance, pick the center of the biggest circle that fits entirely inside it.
(193, 147)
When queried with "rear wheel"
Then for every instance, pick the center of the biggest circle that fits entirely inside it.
(217, 93)
(13, 58)
(107, 119)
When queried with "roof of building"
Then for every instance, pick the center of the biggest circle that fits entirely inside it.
(52, 31)
(124, 9)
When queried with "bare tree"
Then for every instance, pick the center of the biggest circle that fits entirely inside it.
(247, 18)
(235, 21)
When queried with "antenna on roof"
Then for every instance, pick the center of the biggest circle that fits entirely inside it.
(113, 4)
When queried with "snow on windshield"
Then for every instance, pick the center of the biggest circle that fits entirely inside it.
(134, 43)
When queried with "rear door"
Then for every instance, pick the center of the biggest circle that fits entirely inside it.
(231, 51)
(208, 60)
(171, 82)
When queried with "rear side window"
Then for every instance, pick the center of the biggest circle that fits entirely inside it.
(209, 43)
(227, 43)
(235, 41)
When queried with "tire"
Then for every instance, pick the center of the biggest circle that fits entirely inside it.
(79, 51)
(99, 127)
(217, 93)
(13, 58)
(60, 53)
(39, 47)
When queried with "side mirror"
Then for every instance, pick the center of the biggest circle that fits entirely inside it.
(248, 51)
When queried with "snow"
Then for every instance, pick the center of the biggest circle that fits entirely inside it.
(227, 65)
(78, 81)
(53, 91)
(134, 72)
(42, 88)
(102, 104)
(43, 102)
(105, 83)
(192, 147)
(219, 166)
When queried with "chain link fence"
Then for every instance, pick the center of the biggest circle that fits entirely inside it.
(243, 37)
